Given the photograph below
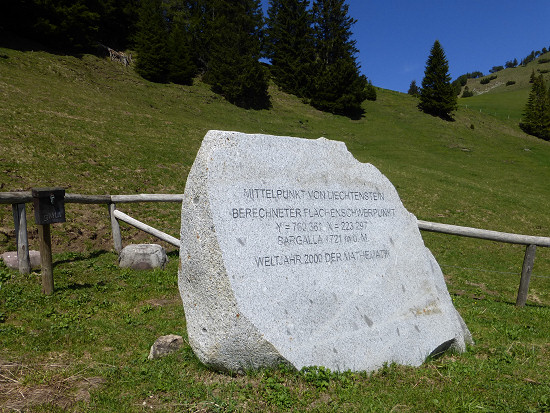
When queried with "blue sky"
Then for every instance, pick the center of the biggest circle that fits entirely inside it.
(394, 37)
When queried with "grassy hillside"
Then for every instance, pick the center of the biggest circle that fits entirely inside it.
(95, 127)
(506, 102)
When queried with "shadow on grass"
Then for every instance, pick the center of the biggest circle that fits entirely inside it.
(15, 41)
(534, 305)
(173, 254)
(76, 286)
(77, 256)
(512, 303)
(495, 299)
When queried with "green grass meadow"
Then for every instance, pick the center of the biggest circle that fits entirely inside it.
(93, 126)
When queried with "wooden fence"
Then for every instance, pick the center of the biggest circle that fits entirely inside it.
(530, 241)
(19, 199)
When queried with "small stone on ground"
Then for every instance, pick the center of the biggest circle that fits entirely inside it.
(10, 259)
(142, 257)
(165, 345)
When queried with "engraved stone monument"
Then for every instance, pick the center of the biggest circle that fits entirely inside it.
(293, 251)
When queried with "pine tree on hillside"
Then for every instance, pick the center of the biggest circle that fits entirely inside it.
(289, 45)
(536, 117)
(152, 42)
(234, 69)
(370, 91)
(117, 22)
(337, 85)
(437, 96)
(182, 68)
(413, 89)
(65, 26)
(202, 14)
(73, 26)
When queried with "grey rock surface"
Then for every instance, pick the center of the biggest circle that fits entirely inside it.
(10, 259)
(142, 257)
(292, 250)
(165, 345)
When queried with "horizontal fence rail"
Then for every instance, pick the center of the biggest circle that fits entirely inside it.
(484, 234)
(15, 197)
(528, 260)
(26, 197)
(122, 199)
(146, 228)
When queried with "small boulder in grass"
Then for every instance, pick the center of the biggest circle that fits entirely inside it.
(165, 345)
(10, 259)
(142, 257)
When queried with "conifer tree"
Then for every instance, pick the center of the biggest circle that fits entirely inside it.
(413, 89)
(182, 68)
(370, 91)
(73, 26)
(536, 117)
(289, 45)
(202, 15)
(152, 42)
(338, 86)
(437, 96)
(68, 26)
(234, 69)
(117, 23)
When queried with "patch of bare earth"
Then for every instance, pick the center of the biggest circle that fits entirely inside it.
(56, 389)
(162, 302)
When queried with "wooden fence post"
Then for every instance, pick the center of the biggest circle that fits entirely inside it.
(15, 212)
(21, 238)
(46, 258)
(528, 262)
(115, 229)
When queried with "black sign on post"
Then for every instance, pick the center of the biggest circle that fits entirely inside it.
(49, 208)
(49, 205)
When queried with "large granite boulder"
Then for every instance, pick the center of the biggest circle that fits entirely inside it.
(293, 251)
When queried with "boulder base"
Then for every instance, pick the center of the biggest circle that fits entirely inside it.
(293, 251)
